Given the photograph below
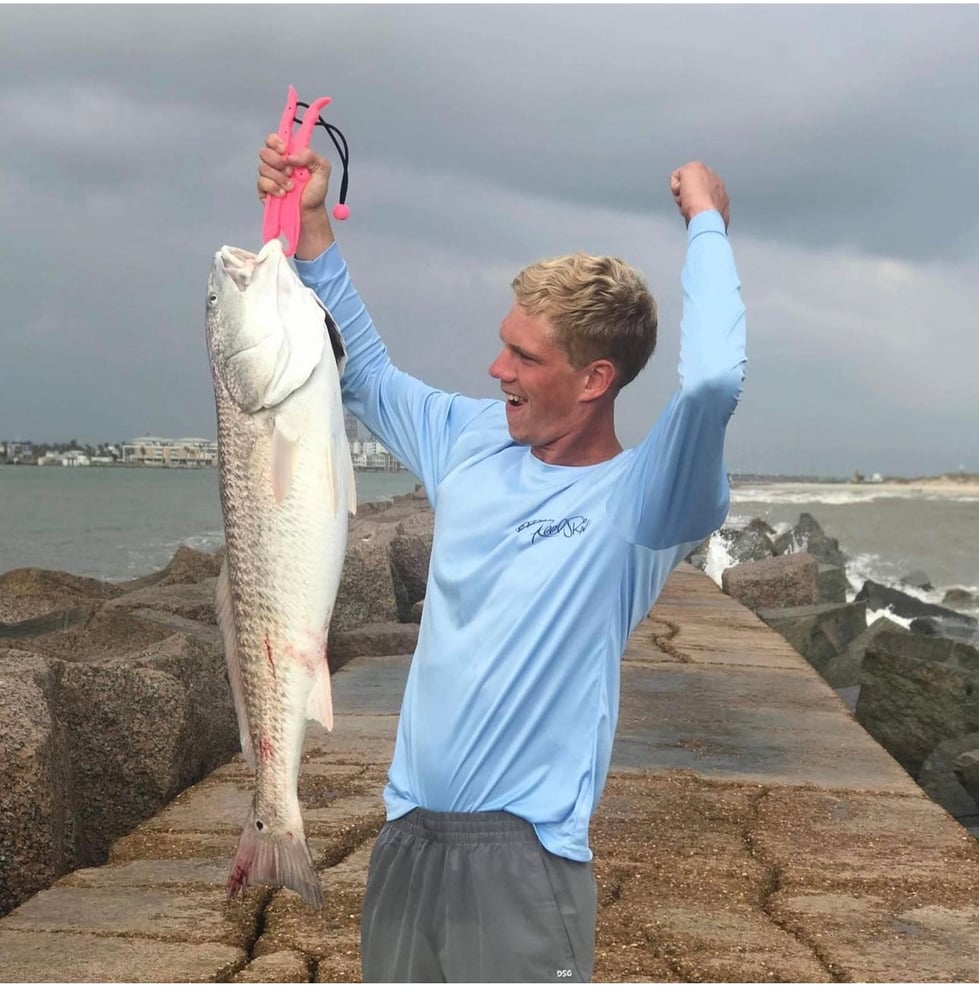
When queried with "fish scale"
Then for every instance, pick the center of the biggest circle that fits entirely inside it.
(286, 485)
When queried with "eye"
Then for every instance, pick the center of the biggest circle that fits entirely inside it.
(212, 298)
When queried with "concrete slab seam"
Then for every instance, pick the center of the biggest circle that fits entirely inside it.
(364, 831)
(664, 643)
(773, 885)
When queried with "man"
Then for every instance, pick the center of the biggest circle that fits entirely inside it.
(551, 544)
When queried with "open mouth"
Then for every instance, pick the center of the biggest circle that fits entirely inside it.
(238, 265)
(513, 402)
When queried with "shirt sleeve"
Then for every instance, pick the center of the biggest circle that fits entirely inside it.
(675, 490)
(412, 420)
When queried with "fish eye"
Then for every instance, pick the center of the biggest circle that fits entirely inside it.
(212, 298)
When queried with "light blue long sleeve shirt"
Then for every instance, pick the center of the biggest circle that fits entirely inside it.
(539, 572)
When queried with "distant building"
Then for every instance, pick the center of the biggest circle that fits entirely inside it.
(171, 452)
(19, 451)
(372, 455)
(74, 457)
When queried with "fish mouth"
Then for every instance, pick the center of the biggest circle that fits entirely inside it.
(238, 265)
(241, 265)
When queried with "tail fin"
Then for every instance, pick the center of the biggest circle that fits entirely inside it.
(274, 859)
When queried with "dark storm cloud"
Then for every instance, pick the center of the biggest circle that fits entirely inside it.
(481, 138)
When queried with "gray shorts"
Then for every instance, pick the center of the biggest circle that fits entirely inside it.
(474, 897)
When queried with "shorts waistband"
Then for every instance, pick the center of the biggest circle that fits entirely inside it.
(465, 828)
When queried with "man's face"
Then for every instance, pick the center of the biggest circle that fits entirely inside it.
(542, 389)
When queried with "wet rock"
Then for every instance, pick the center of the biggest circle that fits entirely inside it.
(818, 632)
(957, 597)
(879, 597)
(698, 558)
(846, 670)
(946, 628)
(832, 584)
(966, 767)
(749, 544)
(780, 582)
(938, 778)
(916, 692)
(917, 579)
(808, 536)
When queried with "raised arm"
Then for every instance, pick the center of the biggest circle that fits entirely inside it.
(414, 421)
(676, 489)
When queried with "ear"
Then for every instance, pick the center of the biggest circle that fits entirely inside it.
(600, 377)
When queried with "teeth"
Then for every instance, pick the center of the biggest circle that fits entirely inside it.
(511, 398)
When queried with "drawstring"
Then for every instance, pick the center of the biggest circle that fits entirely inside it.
(340, 211)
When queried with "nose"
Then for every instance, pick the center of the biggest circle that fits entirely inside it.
(499, 369)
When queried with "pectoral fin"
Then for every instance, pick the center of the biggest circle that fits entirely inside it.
(285, 454)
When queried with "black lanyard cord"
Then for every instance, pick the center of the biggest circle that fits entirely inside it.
(340, 143)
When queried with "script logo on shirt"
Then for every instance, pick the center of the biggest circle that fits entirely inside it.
(548, 527)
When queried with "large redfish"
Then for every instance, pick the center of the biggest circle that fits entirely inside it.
(287, 484)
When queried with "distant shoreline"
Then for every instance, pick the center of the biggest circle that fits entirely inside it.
(952, 484)
(155, 468)
(947, 485)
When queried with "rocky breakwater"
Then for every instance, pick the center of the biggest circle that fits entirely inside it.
(914, 689)
(114, 697)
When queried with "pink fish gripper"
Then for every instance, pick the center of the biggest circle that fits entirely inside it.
(283, 214)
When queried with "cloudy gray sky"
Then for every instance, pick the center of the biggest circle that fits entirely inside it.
(484, 137)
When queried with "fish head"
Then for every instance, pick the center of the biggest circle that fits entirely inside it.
(265, 330)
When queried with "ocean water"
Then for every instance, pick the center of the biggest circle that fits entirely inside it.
(116, 524)
(885, 533)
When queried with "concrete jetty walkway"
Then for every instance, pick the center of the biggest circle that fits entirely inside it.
(750, 831)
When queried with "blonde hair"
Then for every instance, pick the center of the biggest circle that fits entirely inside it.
(598, 307)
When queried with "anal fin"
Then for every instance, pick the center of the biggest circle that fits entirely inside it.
(319, 707)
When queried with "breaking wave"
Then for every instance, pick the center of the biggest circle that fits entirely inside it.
(831, 495)
(860, 567)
